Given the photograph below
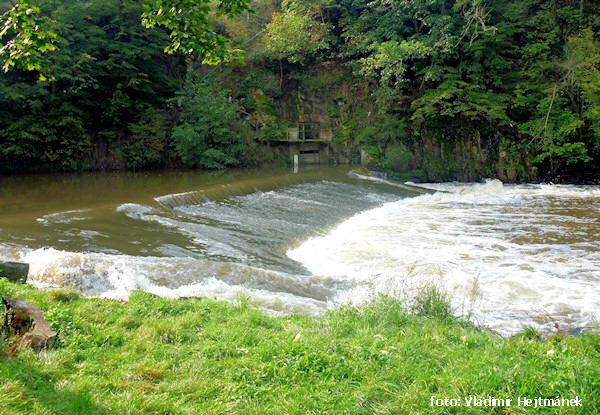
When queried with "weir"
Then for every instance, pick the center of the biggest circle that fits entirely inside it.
(510, 255)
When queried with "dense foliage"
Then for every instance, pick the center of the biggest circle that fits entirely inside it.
(190, 30)
(108, 76)
(438, 88)
(205, 137)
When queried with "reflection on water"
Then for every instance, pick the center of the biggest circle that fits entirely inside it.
(510, 255)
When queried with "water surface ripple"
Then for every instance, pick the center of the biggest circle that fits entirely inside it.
(509, 255)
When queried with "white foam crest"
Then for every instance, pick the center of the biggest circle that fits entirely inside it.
(570, 191)
(406, 185)
(477, 237)
(11, 253)
(67, 216)
(113, 276)
(181, 199)
(277, 302)
(281, 197)
(116, 276)
(134, 210)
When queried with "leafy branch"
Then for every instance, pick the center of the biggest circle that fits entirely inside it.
(26, 41)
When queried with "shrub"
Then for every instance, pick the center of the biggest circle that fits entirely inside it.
(205, 136)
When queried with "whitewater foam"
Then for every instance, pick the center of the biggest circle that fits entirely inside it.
(67, 216)
(509, 255)
(530, 265)
(117, 276)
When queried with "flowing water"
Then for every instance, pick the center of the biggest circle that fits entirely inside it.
(509, 255)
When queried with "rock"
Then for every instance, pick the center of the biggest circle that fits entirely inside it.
(26, 322)
(578, 331)
(14, 271)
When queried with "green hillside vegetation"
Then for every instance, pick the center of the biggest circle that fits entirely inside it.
(450, 89)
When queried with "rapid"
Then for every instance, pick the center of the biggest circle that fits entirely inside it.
(509, 256)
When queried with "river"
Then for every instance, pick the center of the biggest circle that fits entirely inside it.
(509, 256)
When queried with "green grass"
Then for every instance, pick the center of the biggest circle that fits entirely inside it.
(158, 356)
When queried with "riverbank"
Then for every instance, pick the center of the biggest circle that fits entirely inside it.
(154, 355)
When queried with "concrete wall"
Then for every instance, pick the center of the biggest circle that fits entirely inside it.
(293, 133)
(310, 152)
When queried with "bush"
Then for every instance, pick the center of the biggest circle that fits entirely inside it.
(205, 136)
(397, 158)
(148, 138)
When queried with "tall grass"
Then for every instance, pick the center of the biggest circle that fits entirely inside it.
(199, 356)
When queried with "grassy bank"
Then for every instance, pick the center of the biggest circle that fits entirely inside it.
(158, 356)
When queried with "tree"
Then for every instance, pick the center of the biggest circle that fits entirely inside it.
(557, 93)
(25, 37)
(295, 34)
(26, 41)
(189, 27)
(204, 136)
(110, 78)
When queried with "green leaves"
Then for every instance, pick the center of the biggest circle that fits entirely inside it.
(110, 89)
(190, 29)
(570, 153)
(446, 68)
(24, 40)
(490, 65)
(454, 97)
(204, 137)
(558, 91)
(389, 62)
(295, 34)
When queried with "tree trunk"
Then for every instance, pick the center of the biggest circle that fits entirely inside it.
(548, 114)
(280, 73)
